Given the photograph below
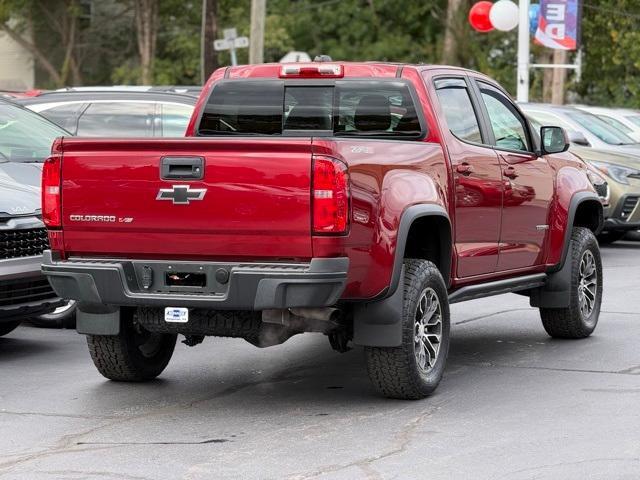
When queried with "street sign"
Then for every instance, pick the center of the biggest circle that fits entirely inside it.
(222, 44)
(241, 42)
(229, 33)
(231, 42)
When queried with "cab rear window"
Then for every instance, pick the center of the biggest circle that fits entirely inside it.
(340, 108)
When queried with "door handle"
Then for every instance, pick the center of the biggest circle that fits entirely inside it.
(464, 169)
(510, 172)
(182, 168)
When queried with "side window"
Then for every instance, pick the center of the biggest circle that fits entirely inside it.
(458, 109)
(174, 120)
(117, 119)
(66, 115)
(509, 127)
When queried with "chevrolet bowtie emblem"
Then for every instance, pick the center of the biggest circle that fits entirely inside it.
(181, 194)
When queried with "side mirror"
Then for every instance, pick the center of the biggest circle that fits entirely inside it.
(554, 140)
(578, 138)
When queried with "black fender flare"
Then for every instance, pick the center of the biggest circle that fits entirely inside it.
(556, 291)
(378, 323)
(576, 200)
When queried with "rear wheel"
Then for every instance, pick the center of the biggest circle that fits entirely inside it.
(580, 318)
(414, 369)
(134, 355)
(8, 327)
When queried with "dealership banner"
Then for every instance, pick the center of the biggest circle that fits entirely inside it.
(559, 24)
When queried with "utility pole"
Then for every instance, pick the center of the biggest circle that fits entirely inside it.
(258, 15)
(523, 52)
(559, 77)
(208, 33)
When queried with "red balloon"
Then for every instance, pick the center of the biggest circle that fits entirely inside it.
(479, 16)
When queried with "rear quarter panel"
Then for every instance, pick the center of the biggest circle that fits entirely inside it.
(386, 178)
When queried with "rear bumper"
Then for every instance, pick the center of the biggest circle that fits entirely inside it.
(24, 292)
(229, 286)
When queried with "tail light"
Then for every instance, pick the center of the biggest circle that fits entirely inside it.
(330, 196)
(51, 194)
(312, 70)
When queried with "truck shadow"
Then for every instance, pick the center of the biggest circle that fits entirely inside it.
(20, 348)
(314, 380)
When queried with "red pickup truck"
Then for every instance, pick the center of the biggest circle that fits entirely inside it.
(353, 199)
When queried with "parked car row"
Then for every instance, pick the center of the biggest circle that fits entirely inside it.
(29, 122)
(25, 142)
(607, 139)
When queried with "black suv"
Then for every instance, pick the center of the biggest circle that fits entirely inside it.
(25, 141)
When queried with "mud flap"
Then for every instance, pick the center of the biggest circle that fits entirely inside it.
(379, 324)
(103, 323)
(556, 292)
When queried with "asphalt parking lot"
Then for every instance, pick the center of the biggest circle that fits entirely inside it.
(514, 404)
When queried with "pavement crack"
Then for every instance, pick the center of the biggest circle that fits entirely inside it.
(628, 371)
(401, 442)
(85, 474)
(501, 312)
(480, 317)
(166, 442)
(565, 464)
(58, 415)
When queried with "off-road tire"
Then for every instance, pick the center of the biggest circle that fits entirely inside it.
(606, 238)
(119, 358)
(569, 322)
(394, 371)
(8, 327)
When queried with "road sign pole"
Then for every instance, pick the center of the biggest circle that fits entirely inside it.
(234, 58)
(523, 52)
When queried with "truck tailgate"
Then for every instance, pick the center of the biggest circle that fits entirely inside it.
(252, 201)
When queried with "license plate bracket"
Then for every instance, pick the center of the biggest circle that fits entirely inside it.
(176, 315)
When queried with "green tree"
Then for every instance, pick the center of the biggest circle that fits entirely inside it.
(611, 46)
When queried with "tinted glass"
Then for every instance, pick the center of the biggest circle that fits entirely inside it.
(308, 108)
(458, 109)
(509, 127)
(343, 108)
(600, 128)
(174, 120)
(117, 119)
(244, 107)
(66, 115)
(24, 135)
(376, 109)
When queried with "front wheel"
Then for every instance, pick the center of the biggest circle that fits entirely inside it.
(134, 355)
(580, 318)
(414, 369)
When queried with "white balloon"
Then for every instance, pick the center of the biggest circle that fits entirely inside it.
(504, 15)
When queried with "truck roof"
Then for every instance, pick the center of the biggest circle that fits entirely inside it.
(349, 69)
